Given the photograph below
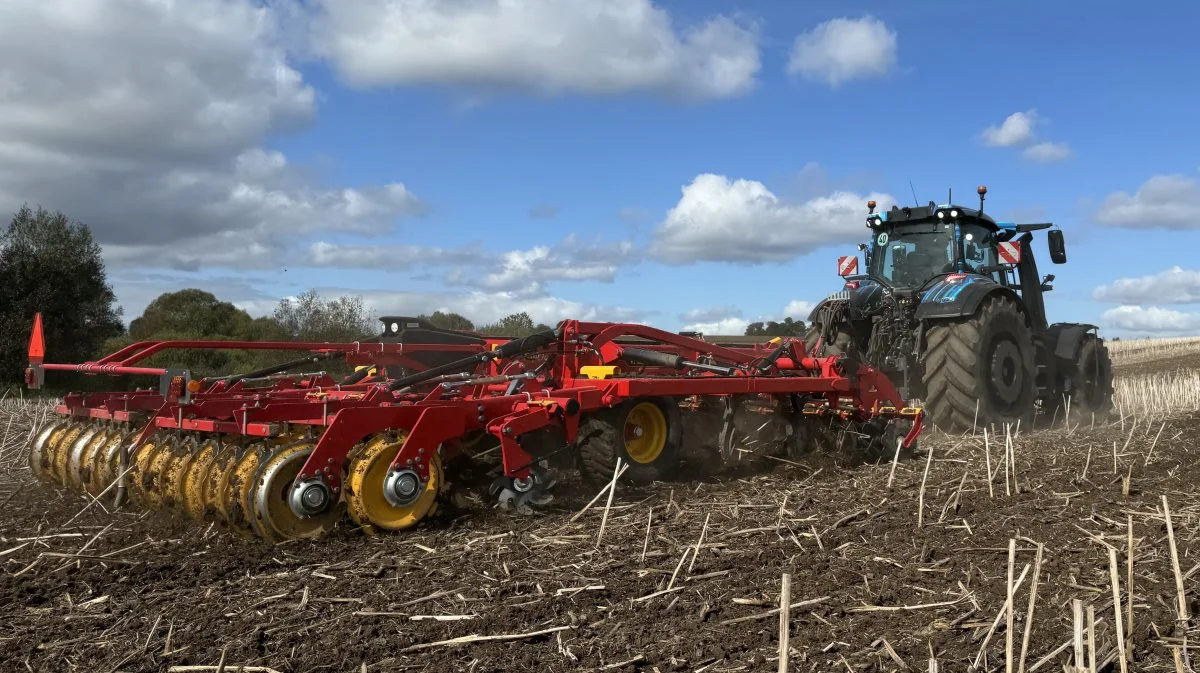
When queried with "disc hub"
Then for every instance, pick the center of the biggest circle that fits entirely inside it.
(401, 487)
(309, 498)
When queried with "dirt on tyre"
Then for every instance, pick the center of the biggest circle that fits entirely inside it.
(1088, 383)
(645, 433)
(985, 361)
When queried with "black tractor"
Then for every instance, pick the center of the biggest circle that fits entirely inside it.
(951, 307)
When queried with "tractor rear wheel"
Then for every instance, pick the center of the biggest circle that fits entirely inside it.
(1088, 383)
(645, 433)
(839, 345)
(983, 362)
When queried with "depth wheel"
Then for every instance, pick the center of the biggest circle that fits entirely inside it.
(985, 360)
(645, 433)
(410, 501)
(271, 511)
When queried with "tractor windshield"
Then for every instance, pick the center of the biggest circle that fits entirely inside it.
(907, 256)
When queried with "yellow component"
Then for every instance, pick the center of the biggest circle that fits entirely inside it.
(365, 501)
(81, 452)
(39, 448)
(371, 371)
(192, 484)
(171, 477)
(238, 487)
(59, 451)
(599, 371)
(106, 465)
(270, 514)
(775, 341)
(215, 483)
(153, 459)
(85, 468)
(887, 410)
(910, 411)
(645, 433)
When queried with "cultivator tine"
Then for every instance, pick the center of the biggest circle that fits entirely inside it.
(524, 496)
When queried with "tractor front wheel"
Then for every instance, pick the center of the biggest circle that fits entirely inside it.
(645, 433)
(982, 364)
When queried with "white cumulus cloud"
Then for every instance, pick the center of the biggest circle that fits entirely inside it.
(1176, 285)
(1162, 202)
(1152, 320)
(1019, 129)
(724, 326)
(719, 219)
(1047, 152)
(146, 120)
(596, 47)
(798, 309)
(844, 49)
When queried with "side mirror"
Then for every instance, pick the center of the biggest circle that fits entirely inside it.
(1058, 248)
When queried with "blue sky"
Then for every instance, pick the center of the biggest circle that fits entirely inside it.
(688, 164)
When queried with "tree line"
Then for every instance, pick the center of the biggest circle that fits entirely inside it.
(51, 264)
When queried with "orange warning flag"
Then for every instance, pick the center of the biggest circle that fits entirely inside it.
(37, 344)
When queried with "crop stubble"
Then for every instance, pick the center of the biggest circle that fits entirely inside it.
(870, 590)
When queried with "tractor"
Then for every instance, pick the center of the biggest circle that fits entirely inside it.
(952, 309)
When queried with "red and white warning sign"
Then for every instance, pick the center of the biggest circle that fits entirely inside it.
(847, 265)
(1010, 253)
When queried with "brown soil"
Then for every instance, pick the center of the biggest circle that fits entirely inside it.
(1157, 365)
(132, 591)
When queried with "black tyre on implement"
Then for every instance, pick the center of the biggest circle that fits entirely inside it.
(645, 433)
(985, 364)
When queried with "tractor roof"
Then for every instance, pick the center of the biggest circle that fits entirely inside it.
(917, 214)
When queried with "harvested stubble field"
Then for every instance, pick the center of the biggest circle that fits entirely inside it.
(891, 568)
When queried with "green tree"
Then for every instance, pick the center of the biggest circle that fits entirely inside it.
(449, 321)
(772, 328)
(192, 314)
(51, 264)
(311, 318)
(513, 325)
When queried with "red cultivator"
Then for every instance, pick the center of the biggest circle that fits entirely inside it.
(288, 455)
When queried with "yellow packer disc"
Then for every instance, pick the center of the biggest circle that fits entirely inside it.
(193, 486)
(239, 485)
(364, 489)
(272, 515)
(39, 459)
(86, 466)
(171, 477)
(106, 465)
(59, 450)
(74, 476)
(149, 461)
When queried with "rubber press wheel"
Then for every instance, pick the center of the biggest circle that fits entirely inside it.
(411, 501)
(645, 433)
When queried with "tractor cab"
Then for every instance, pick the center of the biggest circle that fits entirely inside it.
(912, 246)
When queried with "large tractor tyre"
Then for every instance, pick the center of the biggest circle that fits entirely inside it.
(839, 345)
(984, 362)
(1088, 383)
(645, 433)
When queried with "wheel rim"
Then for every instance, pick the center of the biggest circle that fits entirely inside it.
(273, 517)
(1006, 376)
(645, 433)
(366, 502)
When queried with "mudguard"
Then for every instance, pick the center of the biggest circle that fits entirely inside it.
(1066, 337)
(960, 297)
(843, 295)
